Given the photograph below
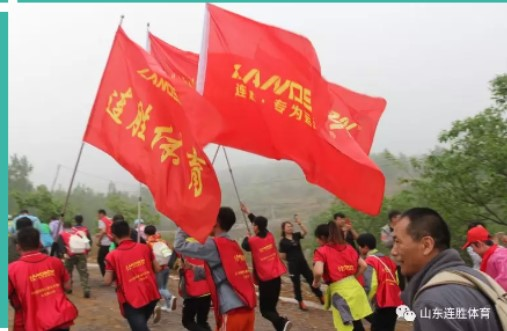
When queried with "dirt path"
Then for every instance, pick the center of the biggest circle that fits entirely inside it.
(101, 311)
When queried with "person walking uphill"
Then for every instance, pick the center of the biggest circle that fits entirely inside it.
(290, 250)
(268, 269)
(339, 265)
(230, 281)
(133, 266)
(36, 288)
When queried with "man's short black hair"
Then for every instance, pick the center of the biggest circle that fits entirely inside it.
(150, 230)
(427, 222)
(340, 215)
(78, 219)
(102, 211)
(24, 211)
(120, 229)
(23, 222)
(28, 239)
(367, 240)
(118, 218)
(226, 218)
(393, 213)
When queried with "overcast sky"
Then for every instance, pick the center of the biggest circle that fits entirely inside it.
(431, 62)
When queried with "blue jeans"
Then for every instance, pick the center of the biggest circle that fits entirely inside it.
(162, 279)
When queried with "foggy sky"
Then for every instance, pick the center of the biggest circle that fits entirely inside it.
(431, 62)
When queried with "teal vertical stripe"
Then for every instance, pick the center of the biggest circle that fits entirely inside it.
(4, 174)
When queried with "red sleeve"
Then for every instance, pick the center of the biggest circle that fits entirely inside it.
(318, 256)
(62, 272)
(109, 261)
(11, 288)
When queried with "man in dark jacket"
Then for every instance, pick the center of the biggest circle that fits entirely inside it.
(422, 247)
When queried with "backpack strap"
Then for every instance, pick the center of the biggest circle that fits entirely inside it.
(386, 267)
(491, 289)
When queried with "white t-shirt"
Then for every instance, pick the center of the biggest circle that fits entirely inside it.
(105, 239)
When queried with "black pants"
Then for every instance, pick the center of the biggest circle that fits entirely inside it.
(358, 326)
(101, 257)
(55, 250)
(195, 313)
(298, 269)
(269, 291)
(383, 319)
(138, 317)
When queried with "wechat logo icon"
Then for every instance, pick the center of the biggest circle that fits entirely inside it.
(405, 313)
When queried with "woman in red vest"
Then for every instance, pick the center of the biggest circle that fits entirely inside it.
(133, 266)
(36, 288)
(381, 284)
(268, 269)
(339, 265)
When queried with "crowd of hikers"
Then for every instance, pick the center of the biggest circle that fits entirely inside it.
(422, 279)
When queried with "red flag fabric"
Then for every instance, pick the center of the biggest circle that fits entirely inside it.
(275, 103)
(141, 118)
(357, 113)
(176, 62)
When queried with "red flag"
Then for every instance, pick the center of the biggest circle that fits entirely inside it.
(140, 118)
(181, 64)
(357, 113)
(275, 103)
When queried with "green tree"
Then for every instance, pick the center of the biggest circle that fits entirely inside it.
(467, 178)
(39, 202)
(18, 181)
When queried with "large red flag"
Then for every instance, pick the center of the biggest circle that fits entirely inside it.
(141, 119)
(357, 113)
(275, 103)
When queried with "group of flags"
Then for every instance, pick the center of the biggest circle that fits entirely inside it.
(254, 87)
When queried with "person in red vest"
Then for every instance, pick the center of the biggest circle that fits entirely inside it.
(268, 269)
(381, 284)
(339, 265)
(104, 239)
(194, 289)
(133, 267)
(231, 285)
(36, 288)
(72, 256)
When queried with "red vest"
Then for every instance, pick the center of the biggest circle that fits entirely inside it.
(194, 288)
(236, 272)
(132, 264)
(37, 284)
(340, 261)
(266, 260)
(388, 291)
(108, 222)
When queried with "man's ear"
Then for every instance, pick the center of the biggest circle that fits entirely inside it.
(428, 245)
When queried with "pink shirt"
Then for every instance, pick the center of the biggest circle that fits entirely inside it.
(497, 266)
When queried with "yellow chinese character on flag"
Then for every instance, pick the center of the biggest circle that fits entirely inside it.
(117, 110)
(308, 119)
(170, 146)
(297, 112)
(280, 106)
(252, 95)
(240, 90)
(138, 126)
(195, 164)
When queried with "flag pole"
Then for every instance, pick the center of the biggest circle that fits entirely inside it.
(236, 189)
(216, 154)
(72, 179)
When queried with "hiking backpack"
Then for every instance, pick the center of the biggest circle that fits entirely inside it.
(162, 252)
(79, 242)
